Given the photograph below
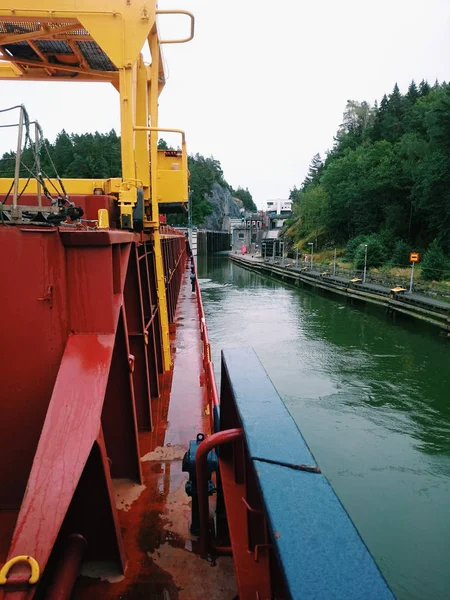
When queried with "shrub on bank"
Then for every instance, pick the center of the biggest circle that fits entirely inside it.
(400, 257)
(435, 263)
(353, 245)
(376, 253)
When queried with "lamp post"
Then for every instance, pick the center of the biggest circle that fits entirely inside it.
(365, 263)
(312, 253)
(412, 279)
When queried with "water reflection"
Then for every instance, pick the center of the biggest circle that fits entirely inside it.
(371, 399)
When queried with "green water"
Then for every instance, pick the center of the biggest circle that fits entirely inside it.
(372, 399)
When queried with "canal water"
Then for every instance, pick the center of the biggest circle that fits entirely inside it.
(372, 399)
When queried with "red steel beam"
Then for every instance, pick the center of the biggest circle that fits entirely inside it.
(68, 569)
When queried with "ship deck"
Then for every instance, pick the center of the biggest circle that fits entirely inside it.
(163, 560)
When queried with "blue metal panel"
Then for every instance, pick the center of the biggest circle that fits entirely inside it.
(270, 431)
(319, 549)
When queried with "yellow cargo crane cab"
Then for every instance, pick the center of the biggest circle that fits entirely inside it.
(102, 40)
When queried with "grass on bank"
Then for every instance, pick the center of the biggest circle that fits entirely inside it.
(326, 257)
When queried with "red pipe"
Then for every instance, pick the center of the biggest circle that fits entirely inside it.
(216, 439)
(68, 569)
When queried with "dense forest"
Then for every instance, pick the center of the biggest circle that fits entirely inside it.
(97, 156)
(385, 182)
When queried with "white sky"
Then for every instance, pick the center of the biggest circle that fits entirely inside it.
(263, 85)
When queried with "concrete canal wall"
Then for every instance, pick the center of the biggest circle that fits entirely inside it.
(209, 242)
(421, 307)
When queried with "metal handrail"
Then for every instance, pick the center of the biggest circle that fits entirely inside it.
(164, 129)
(179, 12)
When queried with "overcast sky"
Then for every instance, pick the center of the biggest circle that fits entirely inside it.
(263, 85)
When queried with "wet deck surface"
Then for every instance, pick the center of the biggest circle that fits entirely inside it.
(163, 563)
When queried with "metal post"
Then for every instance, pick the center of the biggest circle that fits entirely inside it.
(273, 250)
(282, 253)
(334, 264)
(38, 162)
(365, 263)
(412, 279)
(296, 259)
(18, 154)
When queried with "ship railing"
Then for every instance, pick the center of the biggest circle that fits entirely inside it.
(276, 512)
(169, 230)
(208, 365)
(24, 126)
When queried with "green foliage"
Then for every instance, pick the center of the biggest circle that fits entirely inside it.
(388, 171)
(246, 198)
(294, 194)
(434, 262)
(314, 173)
(400, 256)
(376, 253)
(353, 245)
(312, 211)
(204, 173)
(81, 156)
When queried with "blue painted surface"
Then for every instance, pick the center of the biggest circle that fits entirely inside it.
(319, 549)
(270, 431)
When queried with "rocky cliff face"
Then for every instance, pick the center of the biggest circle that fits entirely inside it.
(223, 205)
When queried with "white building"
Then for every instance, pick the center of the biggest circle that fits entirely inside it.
(279, 206)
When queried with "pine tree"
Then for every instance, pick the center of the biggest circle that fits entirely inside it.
(424, 88)
(79, 168)
(413, 92)
(376, 132)
(314, 172)
(434, 262)
(392, 127)
(62, 150)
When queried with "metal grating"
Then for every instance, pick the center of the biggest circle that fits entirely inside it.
(18, 27)
(54, 46)
(26, 27)
(77, 32)
(95, 56)
(21, 50)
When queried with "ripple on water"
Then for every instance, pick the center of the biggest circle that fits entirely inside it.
(371, 400)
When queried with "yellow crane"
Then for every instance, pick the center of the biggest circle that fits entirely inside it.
(98, 41)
